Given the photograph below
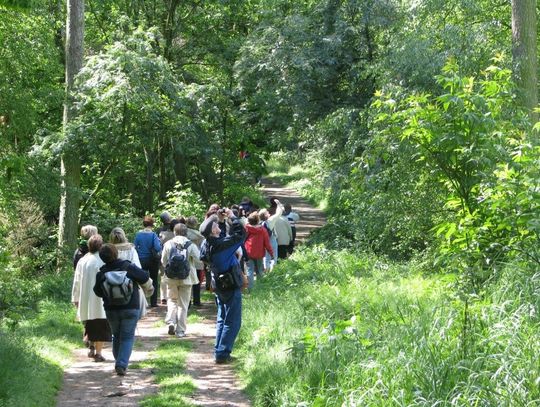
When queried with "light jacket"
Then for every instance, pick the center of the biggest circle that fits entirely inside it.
(90, 305)
(283, 231)
(193, 256)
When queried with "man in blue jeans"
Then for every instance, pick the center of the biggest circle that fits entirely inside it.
(220, 253)
(122, 318)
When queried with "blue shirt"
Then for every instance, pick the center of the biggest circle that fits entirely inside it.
(144, 241)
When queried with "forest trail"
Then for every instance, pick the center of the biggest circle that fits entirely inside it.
(310, 218)
(90, 384)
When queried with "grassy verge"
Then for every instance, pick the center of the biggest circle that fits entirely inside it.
(36, 351)
(168, 363)
(331, 328)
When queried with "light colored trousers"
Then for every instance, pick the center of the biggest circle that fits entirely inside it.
(178, 297)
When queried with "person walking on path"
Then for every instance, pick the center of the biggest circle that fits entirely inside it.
(86, 232)
(149, 250)
(292, 217)
(257, 244)
(220, 253)
(89, 306)
(283, 232)
(197, 238)
(122, 318)
(179, 290)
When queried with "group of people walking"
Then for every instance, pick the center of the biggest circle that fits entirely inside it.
(231, 248)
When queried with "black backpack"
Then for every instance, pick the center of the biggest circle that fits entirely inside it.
(178, 266)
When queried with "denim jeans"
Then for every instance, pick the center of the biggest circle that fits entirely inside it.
(229, 320)
(270, 261)
(123, 323)
(254, 266)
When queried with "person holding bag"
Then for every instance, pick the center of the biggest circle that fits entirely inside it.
(220, 254)
(148, 248)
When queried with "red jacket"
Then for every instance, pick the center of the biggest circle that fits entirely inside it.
(257, 242)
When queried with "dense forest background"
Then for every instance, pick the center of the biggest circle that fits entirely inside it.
(412, 123)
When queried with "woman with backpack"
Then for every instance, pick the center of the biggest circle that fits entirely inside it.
(122, 311)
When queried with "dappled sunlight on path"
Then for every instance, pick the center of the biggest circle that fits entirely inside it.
(310, 218)
(91, 384)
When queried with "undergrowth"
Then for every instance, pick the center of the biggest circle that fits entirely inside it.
(37, 345)
(334, 328)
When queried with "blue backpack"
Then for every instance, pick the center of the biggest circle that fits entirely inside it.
(178, 266)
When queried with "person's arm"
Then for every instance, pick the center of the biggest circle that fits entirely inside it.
(267, 245)
(194, 253)
(165, 252)
(137, 274)
(156, 243)
(76, 288)
(135, 257)
(98, 285)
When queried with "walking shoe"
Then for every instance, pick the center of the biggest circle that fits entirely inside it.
(92, 351)
(223, 361)
(99, 358)
(120, 371)
(163, 302)
(180, 334)
(171, 330)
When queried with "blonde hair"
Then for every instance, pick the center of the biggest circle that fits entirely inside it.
(118, 236)
(88, 230)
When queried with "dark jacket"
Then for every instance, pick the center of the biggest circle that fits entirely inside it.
(220, 252)
(137, 275)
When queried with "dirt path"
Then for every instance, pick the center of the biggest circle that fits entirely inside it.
(310, 218)
(90, 384)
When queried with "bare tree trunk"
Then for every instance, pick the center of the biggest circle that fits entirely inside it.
(524, 53)
(70, 166)
(149, 192)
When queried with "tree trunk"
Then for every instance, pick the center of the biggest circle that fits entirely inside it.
(70, 166)
(149, 192)
(524, 53)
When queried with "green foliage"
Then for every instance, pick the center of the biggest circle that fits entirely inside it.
(36, 352)
(184, 202)
(358, 331)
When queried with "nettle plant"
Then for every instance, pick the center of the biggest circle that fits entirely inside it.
(462, 137)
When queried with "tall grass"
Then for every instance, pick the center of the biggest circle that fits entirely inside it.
(331, 328)
(33, 355)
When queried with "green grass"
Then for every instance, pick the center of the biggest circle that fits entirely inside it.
(36, 351)
(168, 363)
(331, 328)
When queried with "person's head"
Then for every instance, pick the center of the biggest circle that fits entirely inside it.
(214, 207)
(210, 213)
(94, 243)
(263, 214)
(117, 236)
(108, 253)
(191, 222)
(208, 226)
(246, 199)
(287, 208)
(148, 221)
(180, 229)
(88, 230)
(253, 219)
(173, 223)
(165, 218)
